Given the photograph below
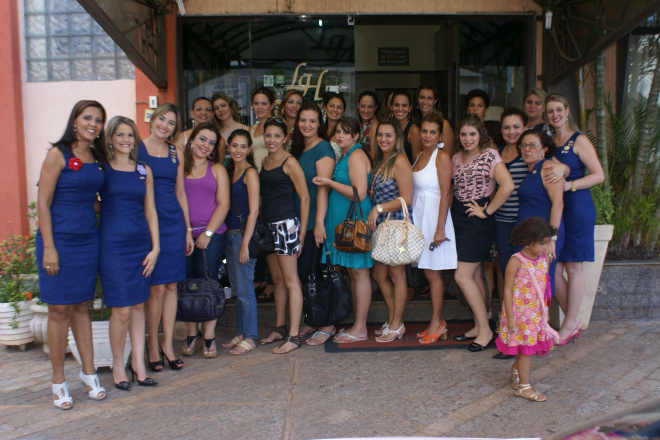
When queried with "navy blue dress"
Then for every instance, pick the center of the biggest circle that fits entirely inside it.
(171, 264)
(125, 237)
(579, 209)
(75, 235)
(534, 201)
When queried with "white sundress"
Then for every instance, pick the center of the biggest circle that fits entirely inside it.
(426, 204)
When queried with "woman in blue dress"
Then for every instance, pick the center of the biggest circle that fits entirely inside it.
(539, 198)
(67, 243)
(351, 170)
(393, 179)
(575, 150)
(166, 163)
(129, 247)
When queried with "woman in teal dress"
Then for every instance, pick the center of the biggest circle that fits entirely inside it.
(352, 170)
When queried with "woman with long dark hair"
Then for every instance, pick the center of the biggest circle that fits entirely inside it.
(263, 106)
(243, 212)
(207, 191)
(401, 112)
(67, 243)
(334, 107)
(428, 101)
(367, 111)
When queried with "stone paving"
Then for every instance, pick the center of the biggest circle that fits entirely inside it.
(311, 394)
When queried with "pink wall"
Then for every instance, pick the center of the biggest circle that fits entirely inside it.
(47, 106)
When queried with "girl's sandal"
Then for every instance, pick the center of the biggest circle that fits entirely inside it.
(535, 397)
(242, 347)
(92, 385)
(515, 378)
(64, 401)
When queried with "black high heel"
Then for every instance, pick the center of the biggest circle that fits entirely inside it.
(148, 382)
(157, 366)
(176, 364)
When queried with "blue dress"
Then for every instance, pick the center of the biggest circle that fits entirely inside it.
(171, 264)
(125, 237)
(534, 201)
(579, 210)
(75, 235)
(337, 209)
(383, 191)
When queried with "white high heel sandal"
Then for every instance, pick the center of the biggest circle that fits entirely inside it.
(92, 381)
(61, 391)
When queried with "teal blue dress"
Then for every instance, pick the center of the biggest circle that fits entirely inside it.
(337, 209)
(307, 161)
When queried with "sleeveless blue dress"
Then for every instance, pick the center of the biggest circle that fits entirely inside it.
(125, 237)
(579, 210)
(75, 235)
(171, 265)
(533, 201)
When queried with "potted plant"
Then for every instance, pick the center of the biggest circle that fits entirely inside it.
(18, 286)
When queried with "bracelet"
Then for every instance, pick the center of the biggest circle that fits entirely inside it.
(574, 187)
(189, 229)
(486, 213)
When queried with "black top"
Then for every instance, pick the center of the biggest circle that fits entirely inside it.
(277, 194)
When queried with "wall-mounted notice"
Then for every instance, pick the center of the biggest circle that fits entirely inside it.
(393, 56)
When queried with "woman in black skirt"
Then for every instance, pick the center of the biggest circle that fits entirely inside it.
(476, 169)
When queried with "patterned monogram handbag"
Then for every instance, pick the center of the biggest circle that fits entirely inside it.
(397, 242)
(352, 235)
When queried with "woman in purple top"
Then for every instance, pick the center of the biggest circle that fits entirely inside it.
(207, 191)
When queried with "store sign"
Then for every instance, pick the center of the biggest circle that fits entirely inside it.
(304, 83)
(393, 56)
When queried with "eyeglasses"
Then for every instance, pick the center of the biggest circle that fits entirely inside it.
(531, 146)
(276, 119)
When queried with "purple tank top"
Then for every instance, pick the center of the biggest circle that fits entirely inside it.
(201, 201)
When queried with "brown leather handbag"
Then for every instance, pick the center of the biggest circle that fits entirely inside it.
(353, 235)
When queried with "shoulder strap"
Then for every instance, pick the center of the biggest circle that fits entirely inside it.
(285, 159)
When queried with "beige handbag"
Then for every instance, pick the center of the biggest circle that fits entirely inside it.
(397, 242)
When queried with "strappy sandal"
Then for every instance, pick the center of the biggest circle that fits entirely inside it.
(536, 397)
(280, 330)
(245, 345)
(209, 354)
(233, 343)
(515, 378)
(346, 338)
(295, 340)
(92, 385)
(315, 339)
(191, 345)
(382, 329)
(62, 392)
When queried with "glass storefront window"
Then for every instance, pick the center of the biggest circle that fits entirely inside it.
(380, 53)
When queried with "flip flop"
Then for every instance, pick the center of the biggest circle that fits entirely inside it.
(351, 338)
(233, 343)
(317, 335)
(245, 345)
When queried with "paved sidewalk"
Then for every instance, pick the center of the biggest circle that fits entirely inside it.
(310, 394)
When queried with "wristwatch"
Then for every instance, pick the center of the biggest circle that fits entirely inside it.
(208, 233)
(379, 209)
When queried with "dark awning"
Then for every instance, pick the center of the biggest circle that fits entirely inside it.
(138, 29)
(581, 29)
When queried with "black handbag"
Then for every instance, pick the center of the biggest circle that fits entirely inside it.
(261, 242)
(326, 297)
(200, 299)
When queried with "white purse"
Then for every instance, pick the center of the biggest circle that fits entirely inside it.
(397, 242)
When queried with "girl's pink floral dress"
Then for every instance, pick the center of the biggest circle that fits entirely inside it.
(530, 336)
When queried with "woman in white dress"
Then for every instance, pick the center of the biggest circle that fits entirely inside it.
(432, 172)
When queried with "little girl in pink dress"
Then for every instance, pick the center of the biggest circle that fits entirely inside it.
(524, 324)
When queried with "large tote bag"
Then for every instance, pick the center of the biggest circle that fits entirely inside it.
(397, 242)
(200, 299)
(326, 297)
(353, 235)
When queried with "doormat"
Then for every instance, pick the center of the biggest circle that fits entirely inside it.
(409, 341)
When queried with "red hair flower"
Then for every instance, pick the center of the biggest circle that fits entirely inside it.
(75, 164)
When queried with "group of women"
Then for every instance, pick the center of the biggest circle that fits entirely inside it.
(170, 209)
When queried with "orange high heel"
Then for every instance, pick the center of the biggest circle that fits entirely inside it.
(426, 330)
(433, 338)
